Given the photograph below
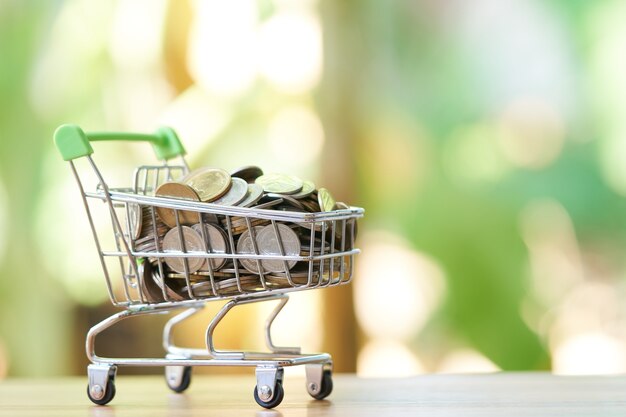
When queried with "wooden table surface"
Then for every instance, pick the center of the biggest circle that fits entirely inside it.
(506, 394)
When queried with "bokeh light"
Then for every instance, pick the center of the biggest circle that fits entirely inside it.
(222, 46)
(297, 325)
(472, 155)
(484, 139)
(136, 33)
(4, 219)
(296, 136)
(607, 64)
(381, 358)
(4, 361)
(466, 361)
(555, 259)
(589, 354)
(531, 133)
(414, 282)
(197, 117)
(290, 50)
(76, 243)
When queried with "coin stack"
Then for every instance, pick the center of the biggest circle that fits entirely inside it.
(160, 229)
(148, 233)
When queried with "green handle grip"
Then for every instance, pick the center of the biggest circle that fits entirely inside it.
(73, 142)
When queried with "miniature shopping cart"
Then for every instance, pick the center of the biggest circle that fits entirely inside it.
(135, 277)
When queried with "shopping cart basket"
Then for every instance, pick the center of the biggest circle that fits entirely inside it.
(135, 276)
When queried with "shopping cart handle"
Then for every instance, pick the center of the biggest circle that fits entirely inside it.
(73, 142)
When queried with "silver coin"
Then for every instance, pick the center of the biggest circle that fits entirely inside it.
(310, 203)
(247, 173)
(269, 245)
(210, 218)
(224, 287)
(280, 183)
(287, 199)
(215, 243)
(235, 194)
(171, 294)
(196, 277)
(268, 204)
(243, 222)
(193, 243)
(237, 230)
(254, 194)
(281, 281)
(134, 222)
(326, 200)
(151, 291)
(245, 247)
(307, 189)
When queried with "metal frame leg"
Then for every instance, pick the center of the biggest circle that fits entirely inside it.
(268, 327)
(174, 351)
(90, 340)
(219, 354)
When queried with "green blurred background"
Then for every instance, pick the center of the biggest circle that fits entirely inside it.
(485, 140)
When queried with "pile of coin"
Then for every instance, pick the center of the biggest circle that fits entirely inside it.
(180, 276)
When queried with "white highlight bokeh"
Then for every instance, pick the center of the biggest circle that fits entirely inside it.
(136, 33)
(397, 287)
(466, 361)
(589, 354)
(222, 46)
(387, 358)
(296, 136)
(290, 50)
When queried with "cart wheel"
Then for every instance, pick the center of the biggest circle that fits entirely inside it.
(279, 394)
(178, 378)
(327, 386)
(108, 395)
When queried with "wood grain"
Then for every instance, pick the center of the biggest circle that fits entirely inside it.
(514, 394)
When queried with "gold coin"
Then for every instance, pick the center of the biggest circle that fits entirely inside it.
(280, 183)
(342, 206)
(193, 243)
(326, 200)
(209, 183)
(179, 191)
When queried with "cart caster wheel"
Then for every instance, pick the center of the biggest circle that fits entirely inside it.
(326, 388)
(178, 378)
(94, 392)
(279, 394)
